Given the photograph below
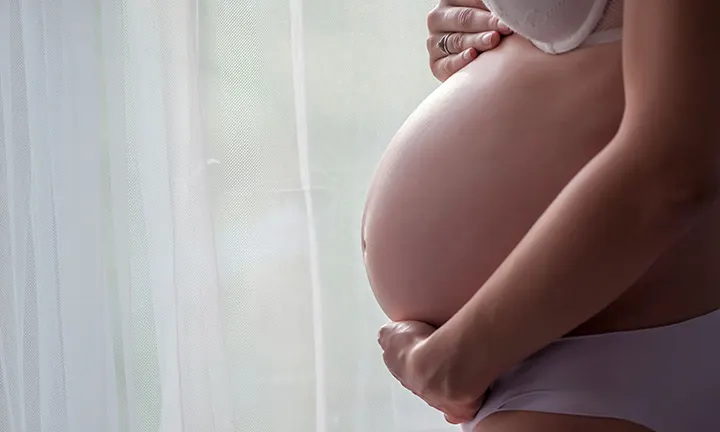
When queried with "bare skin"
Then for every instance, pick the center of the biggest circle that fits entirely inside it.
(478, 163)
(469, 28)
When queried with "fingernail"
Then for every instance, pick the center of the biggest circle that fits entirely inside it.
(502, 26)
(487, 38)
(469, 54)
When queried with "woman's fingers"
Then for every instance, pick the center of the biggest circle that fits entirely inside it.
(464, 20)
(459, 31)
(460, 414)
(456, 420)
(445, 67)
(478, 4)
(464, 48)
(456, 43)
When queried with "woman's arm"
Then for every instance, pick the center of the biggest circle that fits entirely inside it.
(622, 210)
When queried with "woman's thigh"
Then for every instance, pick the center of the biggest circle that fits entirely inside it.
(526, 421)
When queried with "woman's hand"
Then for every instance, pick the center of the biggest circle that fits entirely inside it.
(464, 28)
(428, 371)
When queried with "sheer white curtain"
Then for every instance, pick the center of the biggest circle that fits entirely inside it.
(181, 185)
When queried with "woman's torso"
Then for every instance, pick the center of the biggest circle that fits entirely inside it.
(479, 161)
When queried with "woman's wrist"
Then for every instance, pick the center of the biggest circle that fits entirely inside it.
(460, 360)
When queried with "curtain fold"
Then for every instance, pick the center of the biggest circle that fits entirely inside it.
(181, 184)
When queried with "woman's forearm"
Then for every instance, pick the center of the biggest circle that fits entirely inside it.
(622, 211)
(636, 198)
(601, 234)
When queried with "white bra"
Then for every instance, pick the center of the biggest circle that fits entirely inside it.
(558, 26)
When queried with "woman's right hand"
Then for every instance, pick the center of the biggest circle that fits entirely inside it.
(465, 28)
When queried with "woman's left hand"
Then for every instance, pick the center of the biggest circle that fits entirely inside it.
(426, 370)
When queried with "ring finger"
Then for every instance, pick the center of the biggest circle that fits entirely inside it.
(456, 43)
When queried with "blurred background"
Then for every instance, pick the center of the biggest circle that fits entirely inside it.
(343, 87)
(181, 189)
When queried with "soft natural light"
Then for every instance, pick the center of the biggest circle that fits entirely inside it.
(181, 185)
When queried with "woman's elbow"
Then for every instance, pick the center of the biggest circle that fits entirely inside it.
(695, 196)
(690, 187)
(681, 160)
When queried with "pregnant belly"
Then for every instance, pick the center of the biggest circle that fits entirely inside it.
(474, 167)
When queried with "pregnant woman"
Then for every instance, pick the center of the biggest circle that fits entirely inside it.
(544, 229)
